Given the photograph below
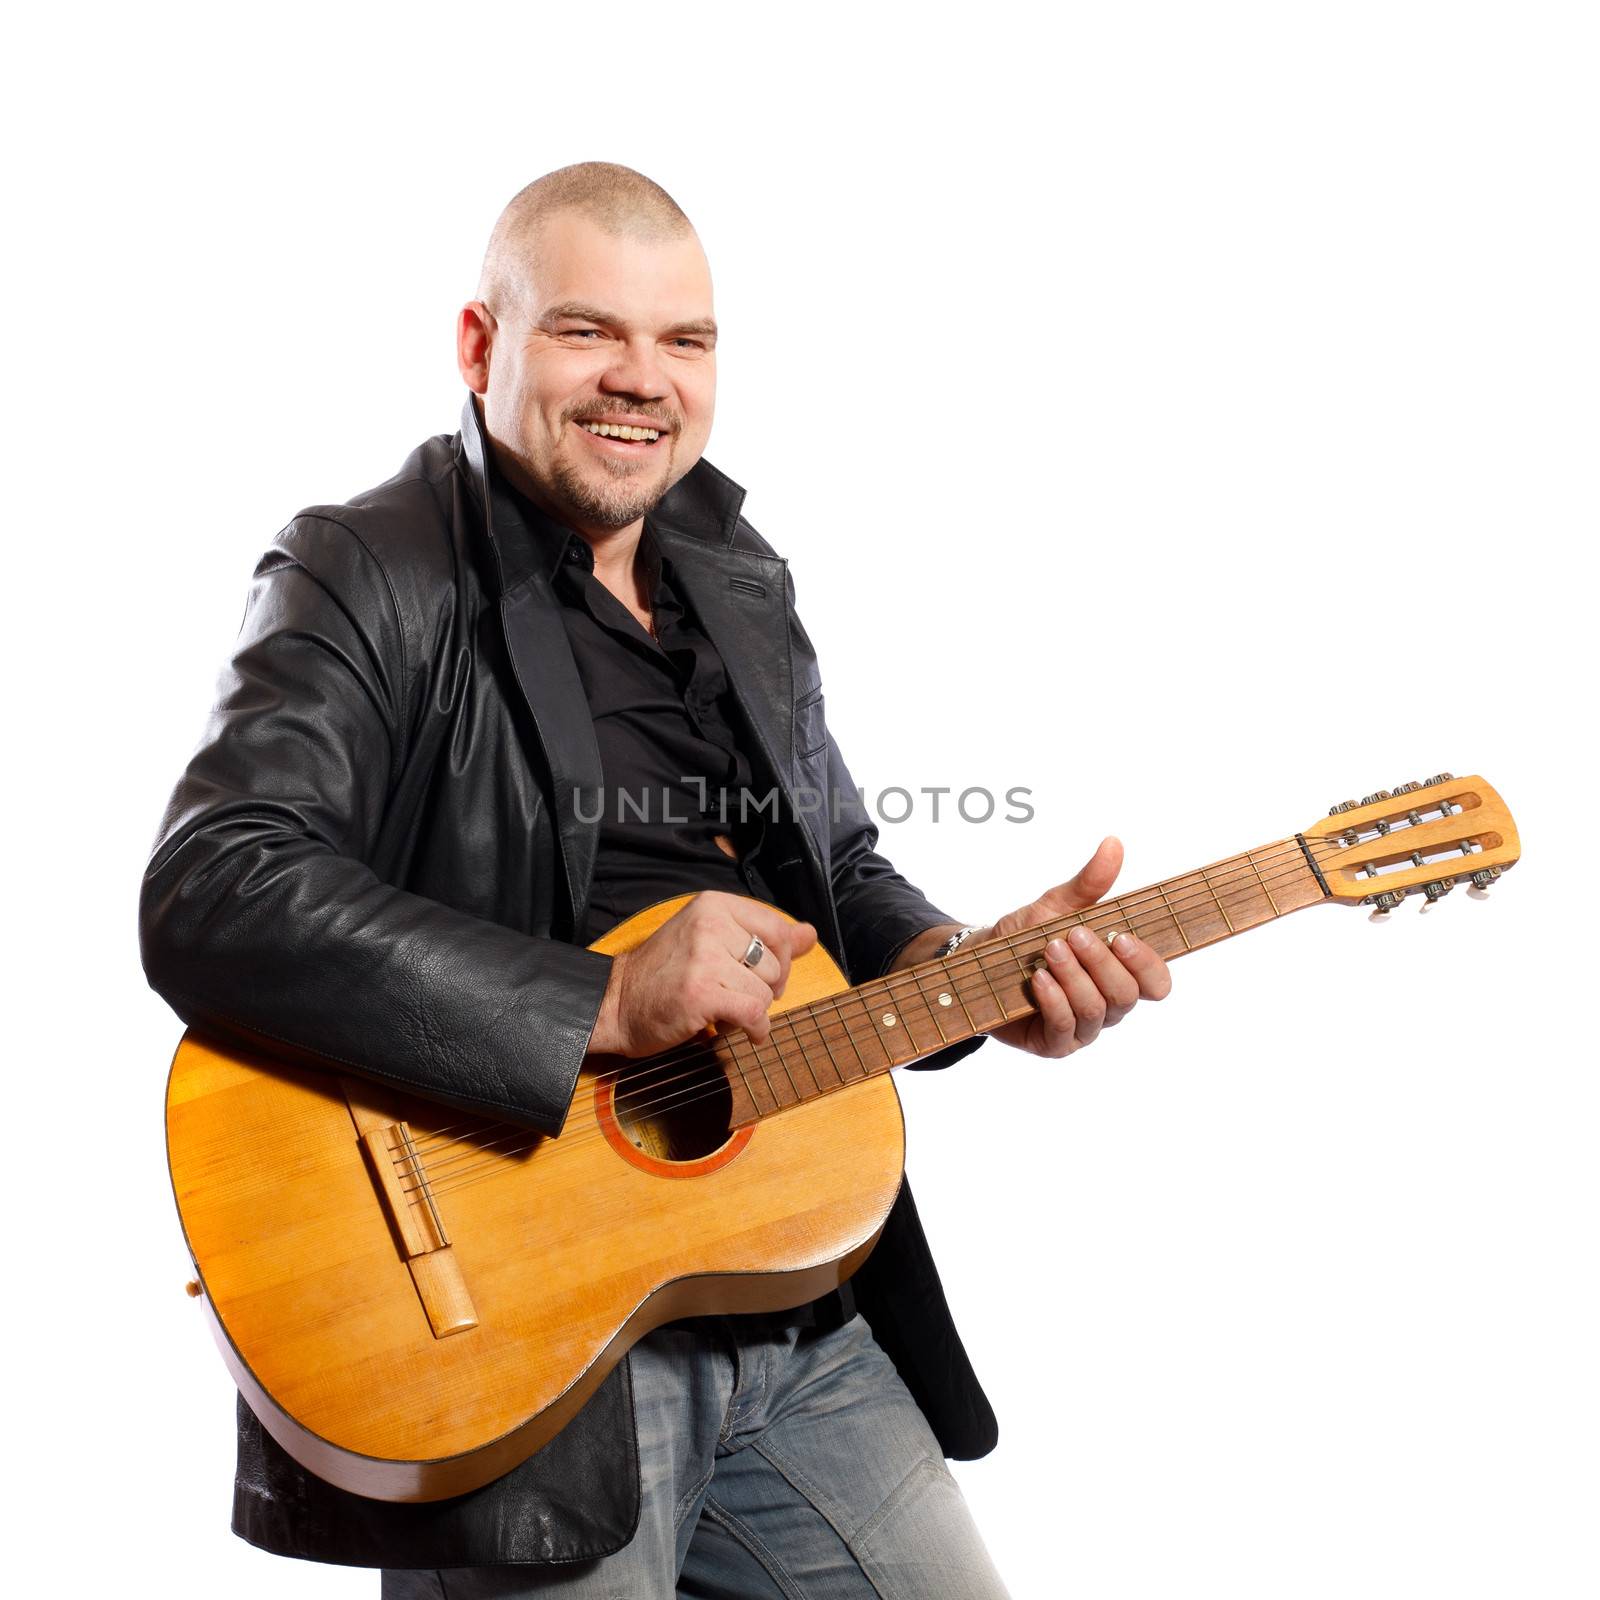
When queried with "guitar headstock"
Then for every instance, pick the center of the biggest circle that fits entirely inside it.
(1422, 836)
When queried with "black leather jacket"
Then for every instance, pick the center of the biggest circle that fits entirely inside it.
(374, 858)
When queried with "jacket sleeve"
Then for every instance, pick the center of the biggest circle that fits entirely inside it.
(260, 919)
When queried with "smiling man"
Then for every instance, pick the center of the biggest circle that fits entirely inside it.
(387, 853)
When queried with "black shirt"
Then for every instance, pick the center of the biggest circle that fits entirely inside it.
(673, 774)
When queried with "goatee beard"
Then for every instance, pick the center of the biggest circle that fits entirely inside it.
(613, 505)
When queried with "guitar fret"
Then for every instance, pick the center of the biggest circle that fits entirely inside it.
(982, 962)
(1251, 903)
(1161, 889)
(1206, 879)
(1263, 882)
(1024, 986)
(955, 989)
(811, 1075)
(1115, 920)
(771, 1093)
(899, 1011)
(850, 1039)
(810, 1057)
(728, 1045)
(819, 1025)
(794, 1090)
(932, 1007)
(1027, 978)
(873, 1009)
(1201, 924)
(929, 998)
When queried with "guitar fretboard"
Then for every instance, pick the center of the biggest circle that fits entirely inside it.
(891, 1021)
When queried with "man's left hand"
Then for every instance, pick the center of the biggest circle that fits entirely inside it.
(1086, 984)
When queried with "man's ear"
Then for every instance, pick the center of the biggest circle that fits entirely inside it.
(475, 330)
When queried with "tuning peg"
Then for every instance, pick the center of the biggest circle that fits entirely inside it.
(1438, 889)
(1372, 799)
(1407, 788)
(1383, 904)
(1481, 881)
(1438, 777)
(1343, 805)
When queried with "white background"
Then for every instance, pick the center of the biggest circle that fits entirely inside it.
(1188, 412)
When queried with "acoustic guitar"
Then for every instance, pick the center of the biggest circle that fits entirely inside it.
(413, 1302)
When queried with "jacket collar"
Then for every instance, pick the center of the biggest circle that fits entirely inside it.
(703, 505)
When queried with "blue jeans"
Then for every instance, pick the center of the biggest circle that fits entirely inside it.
(776, 1464)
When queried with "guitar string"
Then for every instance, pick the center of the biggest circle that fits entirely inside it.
(485, 1158)
(705, 1052)
(694, 1052)
(1134, 901)
(811, 1014)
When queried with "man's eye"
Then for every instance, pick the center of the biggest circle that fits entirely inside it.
(580, 333)
(690, 344)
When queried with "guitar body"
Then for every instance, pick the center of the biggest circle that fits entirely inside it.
(411, 1345)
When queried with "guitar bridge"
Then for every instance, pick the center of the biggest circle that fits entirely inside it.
(403, 1184)
(408, 1201)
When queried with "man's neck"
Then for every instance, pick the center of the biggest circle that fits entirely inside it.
(616, 554)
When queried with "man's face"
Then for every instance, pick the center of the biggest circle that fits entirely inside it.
(608, 330)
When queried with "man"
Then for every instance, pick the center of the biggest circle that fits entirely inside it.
(387, 853)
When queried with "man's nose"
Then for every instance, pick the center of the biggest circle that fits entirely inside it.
(636, 370)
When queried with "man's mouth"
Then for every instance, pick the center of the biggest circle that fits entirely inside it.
(624, 437)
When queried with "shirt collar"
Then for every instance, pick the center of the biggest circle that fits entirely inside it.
(554, 542)
(559, 546)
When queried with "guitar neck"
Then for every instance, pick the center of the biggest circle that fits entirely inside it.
(861, 1032)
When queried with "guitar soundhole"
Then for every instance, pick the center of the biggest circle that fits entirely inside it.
(674, 1110)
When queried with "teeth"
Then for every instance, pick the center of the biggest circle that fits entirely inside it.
(614, 430)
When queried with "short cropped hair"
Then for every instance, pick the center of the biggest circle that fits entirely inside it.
(619, 199)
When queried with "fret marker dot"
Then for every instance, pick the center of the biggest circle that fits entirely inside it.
(888, 1019)
(1111, 934)
(944, 999)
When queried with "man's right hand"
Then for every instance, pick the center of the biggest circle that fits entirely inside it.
(690, 974)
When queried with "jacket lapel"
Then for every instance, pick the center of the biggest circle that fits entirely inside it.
(548, 677)
(741, 600)
(541, 660)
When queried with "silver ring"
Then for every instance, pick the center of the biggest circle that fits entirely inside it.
(752, 956)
